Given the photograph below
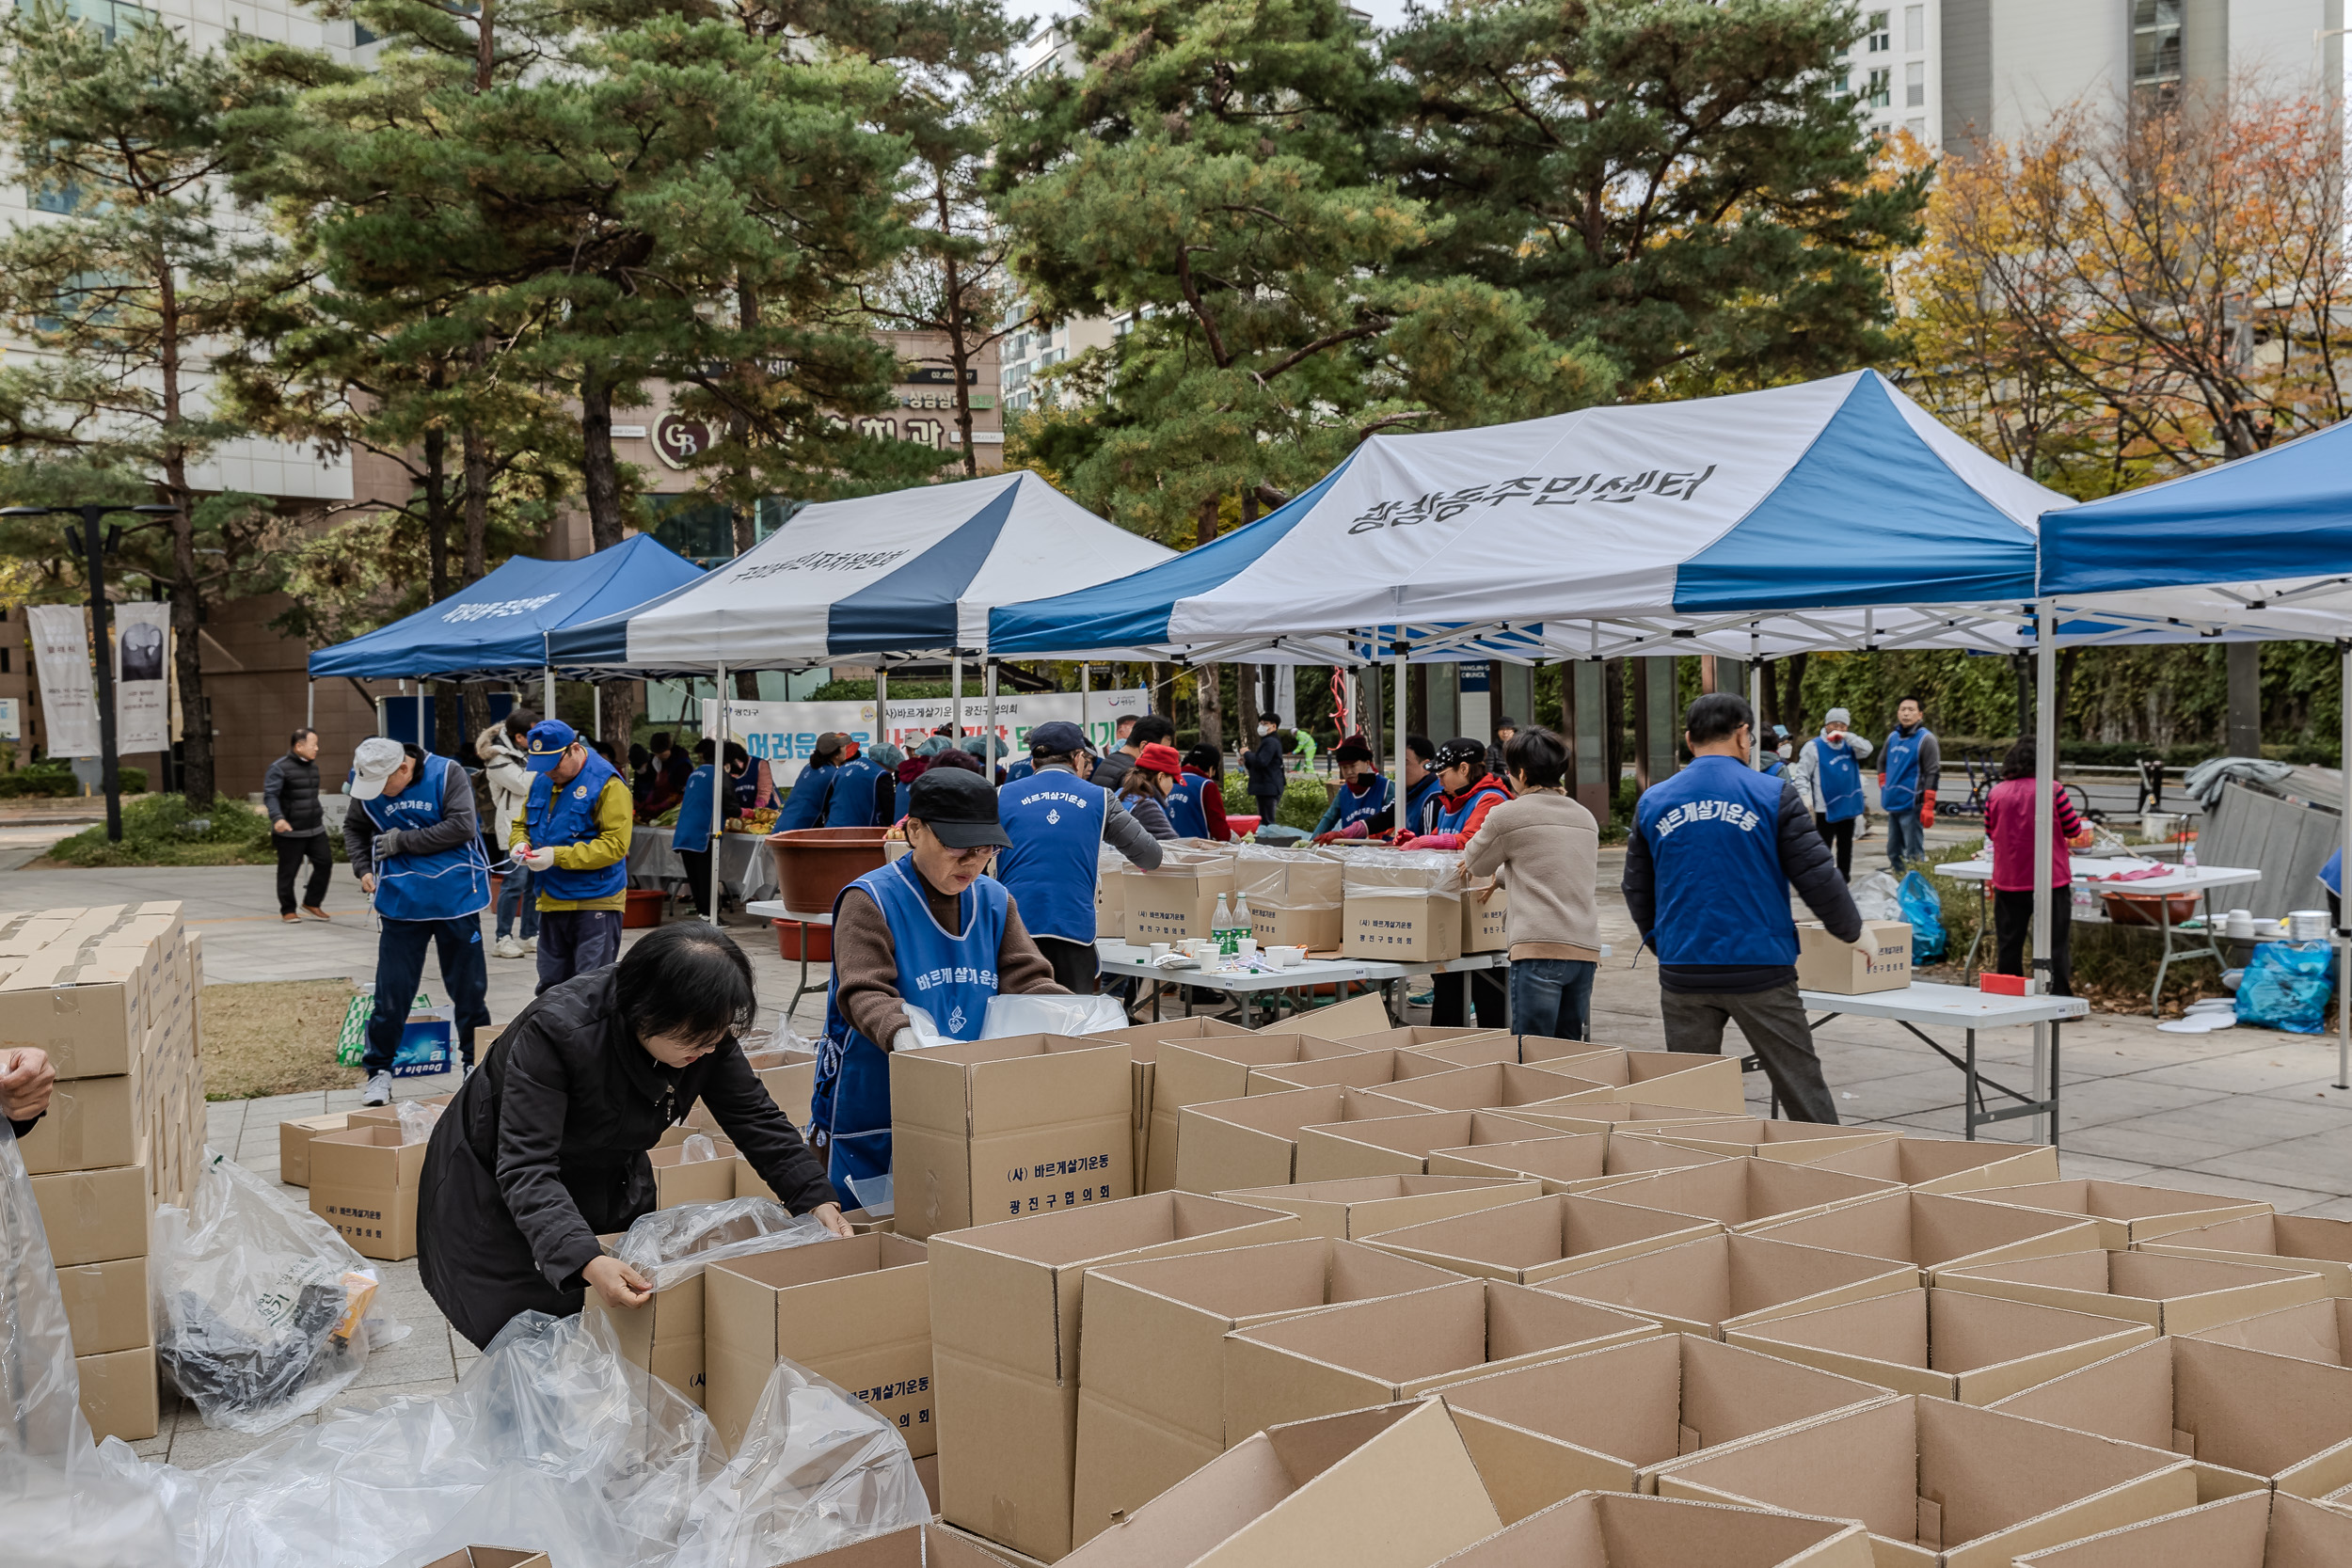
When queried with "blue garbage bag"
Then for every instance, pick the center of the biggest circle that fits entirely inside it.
(2288, 986)
(1925, 911)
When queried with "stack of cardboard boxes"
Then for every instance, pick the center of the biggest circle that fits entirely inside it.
(110, 994)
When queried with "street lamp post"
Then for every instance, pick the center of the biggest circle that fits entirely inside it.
(94, 567)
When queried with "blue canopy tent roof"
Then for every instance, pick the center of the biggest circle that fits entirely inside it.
(496, 628)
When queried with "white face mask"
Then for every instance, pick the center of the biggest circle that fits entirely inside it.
(1783, 750)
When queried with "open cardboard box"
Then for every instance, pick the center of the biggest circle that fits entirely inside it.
(1570, 1163)
(1496, 1086)
(1606, 1419)
(1150, 1394)
(1371, 1205)
(2315, 1331)
(678, 1181)
(1797, 1142)
(1722, 1282)
(1684, 1078)
(491, 1556)
(363, 1182)
(1940, 1166)
(1936, 1232)
(1355, 1017)
(914, 1546)
(2298, 1241)
(1975, 1349)
(984, 1130)
(1143, 1042)
(1400, 1145)
(1531, 1242)
(1006, 1303)
(1456, 1045)
(2253, 1531)
(2173, 1295)
(1376, 1352)
(1253, 1142)
(1606, 1531)
(1204, 1070)
(2251, 1422)
(856, 1311)
(1607, 1115)
(1387, 1488)
(294, 1143)
(1940, 1483)
(1744, 1194)
(2125, 1214)
(1388, 1072)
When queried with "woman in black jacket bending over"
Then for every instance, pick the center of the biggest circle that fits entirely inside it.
(544, 1148)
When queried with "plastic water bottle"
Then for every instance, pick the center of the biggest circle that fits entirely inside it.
(2188, 854)
(1243, 925)
(1221, 928)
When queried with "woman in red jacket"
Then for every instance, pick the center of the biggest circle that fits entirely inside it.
(2009, 826)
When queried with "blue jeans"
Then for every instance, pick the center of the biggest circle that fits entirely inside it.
(516, 895)
(572, 941)
(400, 950)
(1554, 997)
(1906, 841)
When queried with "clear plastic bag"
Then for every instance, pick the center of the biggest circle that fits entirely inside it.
(672, 1245)
(263, 1309)
(418, 1120)
(1045, 1014)
(697, 1149)
(1877, 898)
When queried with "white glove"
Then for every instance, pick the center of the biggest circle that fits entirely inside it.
(540, 859)
(904, 1041)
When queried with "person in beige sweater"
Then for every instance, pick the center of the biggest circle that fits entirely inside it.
(1545, 849)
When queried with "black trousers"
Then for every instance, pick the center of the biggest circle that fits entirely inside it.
(292, 853)
(1076, 964)
(1450, 1009)
(1774, 1023)
(697, 863)
(1839, 837)
(2012, 928)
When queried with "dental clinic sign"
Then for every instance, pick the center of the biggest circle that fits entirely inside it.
(785, 733)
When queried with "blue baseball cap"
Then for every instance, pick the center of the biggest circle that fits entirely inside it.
(550, 738)
(1058, 738)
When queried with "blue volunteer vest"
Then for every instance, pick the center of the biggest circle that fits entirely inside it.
(805, 807)
(903, 797)
(2331, 874)
(692, 833)
(1773, 767)
(1841, 780)
(1713, 831)
(949, 977)
(1900, 762)
(1452, 821)
(444, 886)
(558, 816)
(1186, 813)
(852, 802)
(1021, 769)
(1054, 820)
(1357, 808)
(1417, 801)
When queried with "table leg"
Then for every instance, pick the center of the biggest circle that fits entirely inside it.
(1984, 918)
(1972, 1099)
(2054, 1082)
(1243, 997)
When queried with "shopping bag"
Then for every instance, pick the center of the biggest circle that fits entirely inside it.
(2288, 986)
(1917, 899)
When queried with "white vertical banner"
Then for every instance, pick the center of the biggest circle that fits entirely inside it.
(61, 657)
(142, 677)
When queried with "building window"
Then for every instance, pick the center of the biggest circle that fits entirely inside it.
(695, 526)
(1918, 129)
(2155, 42)
(1881, 91)
(1915, 84)
(1914, 28)
(1881, 39)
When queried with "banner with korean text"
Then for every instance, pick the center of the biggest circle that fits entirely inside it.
(784, 734)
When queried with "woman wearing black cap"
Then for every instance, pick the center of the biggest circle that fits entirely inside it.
(928, 930)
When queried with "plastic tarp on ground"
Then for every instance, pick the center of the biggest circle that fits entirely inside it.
(496, 628)
(1760, 522)
(911, 574)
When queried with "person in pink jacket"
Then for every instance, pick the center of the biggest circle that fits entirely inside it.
(2009, 826)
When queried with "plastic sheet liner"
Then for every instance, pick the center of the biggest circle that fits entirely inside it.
(263, 1309)
(1289, 878)
(1375, 873)
(1041, 1014)
(1878, 898)
(670, 1245)
(418, 1120)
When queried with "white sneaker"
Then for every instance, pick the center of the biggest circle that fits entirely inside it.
(531, 946)
(379, 1090)
(507, 947)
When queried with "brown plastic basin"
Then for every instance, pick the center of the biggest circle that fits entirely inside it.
(814, 865)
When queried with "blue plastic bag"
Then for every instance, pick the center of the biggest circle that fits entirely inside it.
(1925, 911)
(2288, 986)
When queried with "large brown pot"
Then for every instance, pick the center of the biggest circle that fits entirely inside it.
(814, 865)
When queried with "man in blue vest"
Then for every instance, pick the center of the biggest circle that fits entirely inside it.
(1828, 776)
(812, 792)
(416, 845)
(1910, 766)
(1424, 787)
(1707, 869)
(854, 798)
(1364, 800)
(573, 834)
(928, 930)
(1057, 824)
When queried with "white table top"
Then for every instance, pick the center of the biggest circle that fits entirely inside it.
(1119, 958)
(1954, 1007)
(2085, 869)
(773, 909)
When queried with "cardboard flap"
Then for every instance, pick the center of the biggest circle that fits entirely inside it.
(1622, 1401)
(1890, 1328)
(2304, 1236)
(1766, 1274)
(1360, 1015)
(1404, 1500)
(1397, 1340)
(1945, 1228)
(2315, 1331)
(1570, 1157)
(1993, 1470)
(1688, 1284)
(1521, 1322)
(1879, 1227)
(1968, 1331)
(1730, 1393)
(2127, 1396)
(1515, 1235)
(1861, 1465)
(2225, 1534)
(2261, 1414)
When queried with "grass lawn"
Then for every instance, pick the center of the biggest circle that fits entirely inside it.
(274, 1036)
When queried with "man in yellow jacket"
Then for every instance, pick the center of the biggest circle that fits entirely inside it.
(574, 834)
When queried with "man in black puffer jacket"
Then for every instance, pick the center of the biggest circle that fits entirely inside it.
(297, 824)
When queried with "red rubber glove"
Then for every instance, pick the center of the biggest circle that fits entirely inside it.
(1438, 841)
(1325, 838)
(1402, 841)
(1927, 809)
(1354, 830)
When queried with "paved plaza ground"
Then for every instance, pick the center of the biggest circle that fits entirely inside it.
(2243, 1112)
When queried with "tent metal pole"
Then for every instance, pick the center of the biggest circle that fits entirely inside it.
(2344, 971)
(1755, 698)
(310, 704)
(1397, 791)
(955, 695)
(988, 726)
(2045, 837)
(1086, 694)
(881, 704)
(718, 737)
(547, 691)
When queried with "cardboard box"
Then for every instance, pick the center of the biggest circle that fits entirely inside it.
(1570, 1162)
(1377, 1351)
(389, 1116)
(491, 1556)
(92, 1122)
(1722, 1282)
(1387, 1488)
(2315, 1331)
(92, 1216)
(1941, 1165)
(2255, 1530)
(1486, 918)
(1943, 1484)
(1606, 1419)
(2125, 1214)
(2172, 1295)
(1294, 901)
(1456, 1045)
(1742, 1195)
(118, 1393)
(363, 1182)
(89, 1031)
(1536, 1240)
(1211, 1068)
(1402, 925)
(1975, 1350)
(1400, 1145)
(1879, 959)
(1177, 902)
(294, 1143)
(1686, 1079)
(788, 1076)
(914, 1546)
(1388, 1072)
(2298, 1241)
(1006, 1303)
(1800, 1142)
(106, 1306)
(1110, 899)
(678, 1181)
(1149, 1398)
(1608, 1116)
(1358, 1015)
(1365, 1206)
(1936, 1232)
(1253, 1142)
(2251, 1422)
(992, 1129)
(856, 1311)
(1497, 1086)
(1143, 1041)
(1604, 1531)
